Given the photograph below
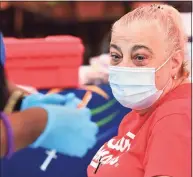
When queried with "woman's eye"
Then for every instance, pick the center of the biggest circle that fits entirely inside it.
(140, 57)
(140, 60)
(115, 58)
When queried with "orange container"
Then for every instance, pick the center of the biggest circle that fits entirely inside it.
(43, 63)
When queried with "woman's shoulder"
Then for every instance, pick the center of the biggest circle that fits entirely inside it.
(176, 106)
(177, 102)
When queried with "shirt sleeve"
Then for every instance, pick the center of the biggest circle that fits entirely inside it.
(2, 50)
(169, 148)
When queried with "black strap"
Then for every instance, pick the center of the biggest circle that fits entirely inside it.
(18, 105)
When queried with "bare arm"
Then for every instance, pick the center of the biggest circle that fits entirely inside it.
(27, 127)
(12, 87)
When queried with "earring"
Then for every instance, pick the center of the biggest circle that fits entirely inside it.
(175, 77)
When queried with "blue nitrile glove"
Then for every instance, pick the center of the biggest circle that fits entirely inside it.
(39, 98)
(69, 130)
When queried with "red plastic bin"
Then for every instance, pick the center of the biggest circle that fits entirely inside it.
(43, 63)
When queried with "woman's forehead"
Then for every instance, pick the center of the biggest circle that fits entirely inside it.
(137, 32)
(149, 34)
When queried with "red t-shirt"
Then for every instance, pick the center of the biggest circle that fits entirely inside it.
(155, 144)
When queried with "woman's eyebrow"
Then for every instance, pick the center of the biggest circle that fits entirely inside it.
(137, 47)
(116, 47)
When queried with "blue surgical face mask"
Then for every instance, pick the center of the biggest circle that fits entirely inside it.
(134, 87)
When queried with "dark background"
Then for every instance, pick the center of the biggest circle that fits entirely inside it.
(26, 20)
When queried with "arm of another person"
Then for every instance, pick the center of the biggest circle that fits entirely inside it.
(27, 127)
(169, 148)
(12, 87)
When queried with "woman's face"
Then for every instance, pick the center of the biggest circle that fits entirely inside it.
(140, 45)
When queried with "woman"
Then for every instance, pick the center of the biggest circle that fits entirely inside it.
(148, 74)
(51, 121)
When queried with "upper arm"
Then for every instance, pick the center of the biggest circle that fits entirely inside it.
(169, 148)
(2, 50)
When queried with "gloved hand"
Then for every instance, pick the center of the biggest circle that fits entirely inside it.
(69, 130)
(38, 98)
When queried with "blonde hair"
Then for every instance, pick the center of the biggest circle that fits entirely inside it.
(169, 19)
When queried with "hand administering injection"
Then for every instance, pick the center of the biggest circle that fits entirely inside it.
(69, 129)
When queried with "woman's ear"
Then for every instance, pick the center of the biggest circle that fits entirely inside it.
(177, 60)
